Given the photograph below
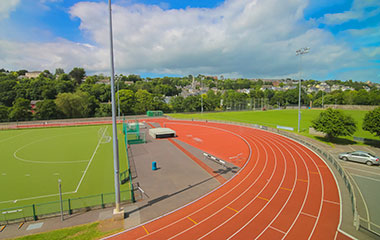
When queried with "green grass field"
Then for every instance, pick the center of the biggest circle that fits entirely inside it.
(32, 161)
(288, 118)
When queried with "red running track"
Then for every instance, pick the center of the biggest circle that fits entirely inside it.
(283, 191)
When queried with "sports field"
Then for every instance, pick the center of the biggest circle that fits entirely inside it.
(32, 161)
(288, 118)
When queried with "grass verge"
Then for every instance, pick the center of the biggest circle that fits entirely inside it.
(82, 232)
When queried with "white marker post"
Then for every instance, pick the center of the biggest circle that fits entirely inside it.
(60, 197)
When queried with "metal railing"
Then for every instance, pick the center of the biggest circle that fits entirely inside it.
(50, 209)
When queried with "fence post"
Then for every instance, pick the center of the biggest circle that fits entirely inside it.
(130, 182)
(101, 197)
(69, 203)
(34, 212)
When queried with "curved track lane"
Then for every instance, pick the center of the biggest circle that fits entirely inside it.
(283, 191)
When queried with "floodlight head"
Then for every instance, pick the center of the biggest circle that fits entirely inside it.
(302, 51)
(59, 180)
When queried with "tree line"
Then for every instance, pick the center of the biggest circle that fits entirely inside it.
(75, 95)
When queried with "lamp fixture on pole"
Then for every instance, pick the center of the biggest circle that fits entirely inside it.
(300, 52)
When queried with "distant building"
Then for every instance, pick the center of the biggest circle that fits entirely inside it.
(33, 104)
(104, 81)
(33, 74)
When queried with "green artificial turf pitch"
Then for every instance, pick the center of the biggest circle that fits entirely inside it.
(32, 161)
(288, 118)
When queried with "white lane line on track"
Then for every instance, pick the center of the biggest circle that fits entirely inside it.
(192, 213)
(291, 190)
(269, 138)
(302, 148)
(241, 169)
(278, 188)
(332, 202)
(309, 215)
(236, 198)
(276, 229)
(253, 198)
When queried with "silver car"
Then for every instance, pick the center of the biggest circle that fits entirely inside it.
(360, 156)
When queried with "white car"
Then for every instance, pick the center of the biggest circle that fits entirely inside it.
(360, 156)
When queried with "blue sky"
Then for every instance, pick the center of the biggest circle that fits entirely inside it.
(234, 38)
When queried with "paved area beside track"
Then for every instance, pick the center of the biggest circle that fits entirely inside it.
(367, 180)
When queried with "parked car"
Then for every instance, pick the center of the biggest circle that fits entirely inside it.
(360, 156)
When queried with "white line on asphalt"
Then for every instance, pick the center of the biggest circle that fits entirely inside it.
(369, 178)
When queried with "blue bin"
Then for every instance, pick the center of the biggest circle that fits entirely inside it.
(154, 166)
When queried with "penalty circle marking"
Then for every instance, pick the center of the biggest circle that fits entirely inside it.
(40, 140)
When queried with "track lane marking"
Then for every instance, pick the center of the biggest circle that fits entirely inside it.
(314, 158)
(328, 201)
(276, 229)
(230, 190)
(146, 231)
(291, 190)
(287, 189)
(314, 163)
(265, 199)
(195, 223)
(232, 209)
(251, 171)
(303, 180)
(309, 215)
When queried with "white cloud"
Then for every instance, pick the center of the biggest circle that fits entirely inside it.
(247, 38)
(359, 11)
(6, 6)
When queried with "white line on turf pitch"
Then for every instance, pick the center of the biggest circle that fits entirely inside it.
(5, 139)
(31, 198)
(65, 193)
(44, 162)
(92, 157)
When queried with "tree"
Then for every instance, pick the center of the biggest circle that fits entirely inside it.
(21, 110)
(144, 101)
(371, 121)
(59, 71)
(74, 104)
(77, 74)
(177, 104)
(127, 101)
(334, 123)
(46, 109)
(104, 110)
(7, 91)
(3, 113)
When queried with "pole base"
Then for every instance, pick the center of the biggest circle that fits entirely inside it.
(118, 215)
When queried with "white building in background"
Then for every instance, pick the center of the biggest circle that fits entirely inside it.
(33, 74)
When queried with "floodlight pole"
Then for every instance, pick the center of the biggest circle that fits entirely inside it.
(201, 97)
(114, 126)
(300, 52)
(118, 98)
(60, 197)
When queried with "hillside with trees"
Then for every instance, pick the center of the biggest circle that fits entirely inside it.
(74, 94)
